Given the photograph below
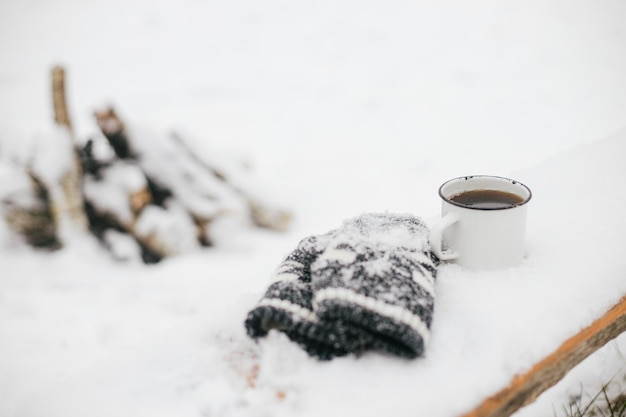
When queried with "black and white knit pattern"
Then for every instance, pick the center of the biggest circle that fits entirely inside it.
(368, 285)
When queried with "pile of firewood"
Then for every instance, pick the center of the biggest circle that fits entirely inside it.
(142, 194)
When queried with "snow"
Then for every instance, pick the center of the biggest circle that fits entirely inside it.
(110, 194)
(173, 228)
(341, 108)
(53, 156)
(15, 185)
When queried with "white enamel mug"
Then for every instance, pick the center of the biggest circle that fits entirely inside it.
(481, 238)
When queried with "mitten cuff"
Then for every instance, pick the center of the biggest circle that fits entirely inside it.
(323, 340)
(284, 305)
(391, 328)
(287, 301)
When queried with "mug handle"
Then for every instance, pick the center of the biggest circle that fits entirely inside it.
(436, 237)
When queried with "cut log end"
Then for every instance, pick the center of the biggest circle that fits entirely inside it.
(108, 121)
(114, 130)
(269, 218)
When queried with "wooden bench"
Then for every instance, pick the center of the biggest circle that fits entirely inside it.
(525, 388)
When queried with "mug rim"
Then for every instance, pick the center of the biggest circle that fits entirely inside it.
(469, 177)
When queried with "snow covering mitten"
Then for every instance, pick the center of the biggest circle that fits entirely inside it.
(367, 285)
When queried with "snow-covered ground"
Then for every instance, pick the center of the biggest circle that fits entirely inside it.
(341, 107)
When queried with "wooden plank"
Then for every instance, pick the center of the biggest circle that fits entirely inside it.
(525, 388)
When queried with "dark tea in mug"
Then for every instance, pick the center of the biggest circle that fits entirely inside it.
(487, 199)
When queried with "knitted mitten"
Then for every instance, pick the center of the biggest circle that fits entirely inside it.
(377, 277)
(286, 306)
(367, 285)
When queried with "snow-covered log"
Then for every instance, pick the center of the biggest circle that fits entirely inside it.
(56, 167)
(61, 167)
(41, 197)
(234, 175)
(24, 204)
